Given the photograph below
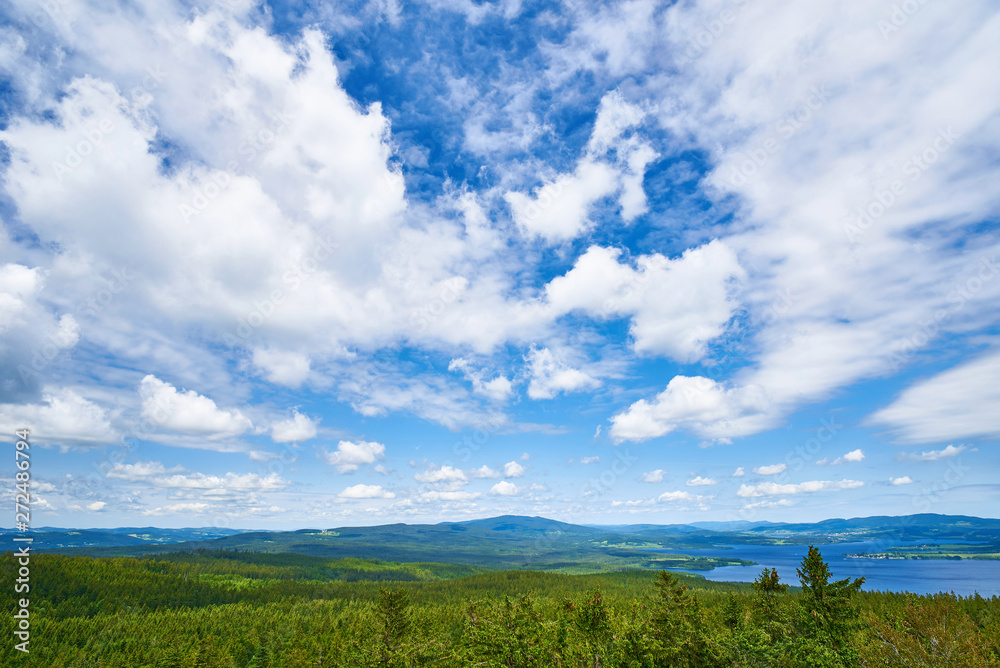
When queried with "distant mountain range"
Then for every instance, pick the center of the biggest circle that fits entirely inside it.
(512, 541)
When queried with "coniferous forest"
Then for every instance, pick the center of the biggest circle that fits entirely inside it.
(253, 610)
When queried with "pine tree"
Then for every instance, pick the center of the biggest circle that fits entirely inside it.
(679, 626)
(829, 614)
(394, 615)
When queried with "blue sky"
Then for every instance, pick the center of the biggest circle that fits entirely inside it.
(310, 264)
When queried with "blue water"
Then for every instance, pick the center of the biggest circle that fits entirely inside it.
(926, 576)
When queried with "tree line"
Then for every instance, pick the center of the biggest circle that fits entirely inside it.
(246, 610)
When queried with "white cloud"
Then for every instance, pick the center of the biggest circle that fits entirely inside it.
(697, 403)
(676, 306)
(196, 508)
(807, 140)
(33, 338)
(513, 470)
(443, 474)
(902, 480)
(295, 429)
(96, 506)
(698, 481)
(435, 495)
(550, 375)
(188, 412)
(282, 367)
(559, 209)
(768, 503)
(669, 497)
(652, 476)
(504, 488)
(350, 455)
(739, 472)
(362, 491)
(615, 115)
(957, 403)
(852, 456)
(497, 389)
(774, 489)
(633, 503)
(64, 418)
(589, 460)
(932, 455)
(771, 469)
(484, 472)
(155, 474)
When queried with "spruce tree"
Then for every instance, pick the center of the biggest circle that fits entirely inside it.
(829, 614)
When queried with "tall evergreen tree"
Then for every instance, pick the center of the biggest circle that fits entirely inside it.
(829, 614)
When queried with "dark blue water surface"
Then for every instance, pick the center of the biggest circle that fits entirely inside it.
(920, 576)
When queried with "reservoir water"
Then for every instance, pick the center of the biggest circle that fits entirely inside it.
(920, 576)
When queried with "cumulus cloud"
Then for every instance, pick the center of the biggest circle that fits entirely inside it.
(632, 503)
(63, 417)
(700, 404)
(771, 469)
(34, 339)
(559, 209)
(197, 508)
(442, 474)
(738, 473)
(551, 375)
(513, 470)
(436, 495)
(362, 491)
(698, 481)
(188, 412)
(767, 503)
(350, 455)
(589, 460)
(504, 488)
(902, 480)
(852, 456)
(670, 497)
(484, 472)
(295, 429)
(676, 306)
(774, 489)
(498, 388)
(816, 126)
(155, 474)
(282, 367)
(652, 476)
(932, 455)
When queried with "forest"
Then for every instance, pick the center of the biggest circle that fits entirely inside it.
(239, 609)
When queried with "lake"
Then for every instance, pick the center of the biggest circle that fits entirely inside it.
(965, 577)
